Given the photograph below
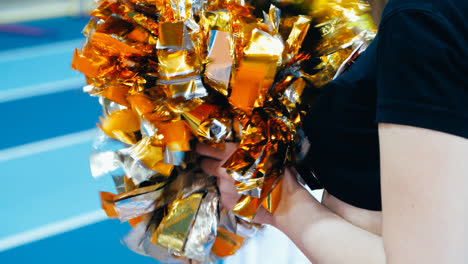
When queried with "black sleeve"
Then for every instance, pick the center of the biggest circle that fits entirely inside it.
(422, 72)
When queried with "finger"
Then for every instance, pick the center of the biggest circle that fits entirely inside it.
(215, 153)
(213, 167)
(229, 194)
(226, 186)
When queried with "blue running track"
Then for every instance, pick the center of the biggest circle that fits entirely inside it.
(50, 211)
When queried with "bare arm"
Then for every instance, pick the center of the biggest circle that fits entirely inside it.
(321, 235)
(425, 203)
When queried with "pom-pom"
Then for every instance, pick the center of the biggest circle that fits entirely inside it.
(173, 72)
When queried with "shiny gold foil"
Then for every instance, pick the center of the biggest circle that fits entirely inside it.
(247, 206)
(251, 83)
(121, 125)
(188, 89)
(117, 93)
(176, 63)
(299, 30)
(147, 153)
(171, 35)
(201, 113)
(173, 230)
(272, 200)
(226, 243)
(217, 20)
(256, 71)
(176, 135)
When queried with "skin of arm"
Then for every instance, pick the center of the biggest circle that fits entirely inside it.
(425, 214)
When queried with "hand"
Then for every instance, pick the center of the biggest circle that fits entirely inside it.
(212, 164)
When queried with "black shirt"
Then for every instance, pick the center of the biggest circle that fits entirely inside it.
(415, 73)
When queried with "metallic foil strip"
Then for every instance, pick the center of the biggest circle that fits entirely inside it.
(243, 170)
(133, 203)
(196, 116)
(136, 206)
(329, 66)
(102, 143)
(145, 21)
(176, 135)
(147, 128)
(91, 90)
(202, 235)
(141, 103)
(291, 97)
(272, 19)
(113, 47)
(251, 83)
(219, 61)
(92, 66)
(272, 200)
(252, 188)
(123, 9)
(173, 157)
(121, 125)
(173, 230)
(257, 70)
(113, 92)
(119, 182)
(135, 169)
(189, 89)
(171, 35)
(226, 243)
(138, 241)
(146, 152)
(219, 20)
(262, 44)
(348, 62)
(247, 229)
(103, 159)
(180, 8)
(252, 192)
(227, 220)
(297, 35)
(109, 106)
(102, 163)
(204, 122)
(215, 131)
(247, 206)
(177, 63)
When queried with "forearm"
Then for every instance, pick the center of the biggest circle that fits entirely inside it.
(323, 236)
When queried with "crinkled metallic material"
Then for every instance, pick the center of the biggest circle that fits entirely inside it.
(203, 233)
(187, 88)
(135, 169)
(173, 157)
(103, 162)
(138, 241)
(219, 61)
(174, 228)
(172, 73)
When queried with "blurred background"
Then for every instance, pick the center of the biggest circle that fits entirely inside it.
(51, 210)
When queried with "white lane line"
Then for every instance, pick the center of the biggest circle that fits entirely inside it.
(42, 89)
(46, 145)
(41, 50)
(51, 229)
(41, 10)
